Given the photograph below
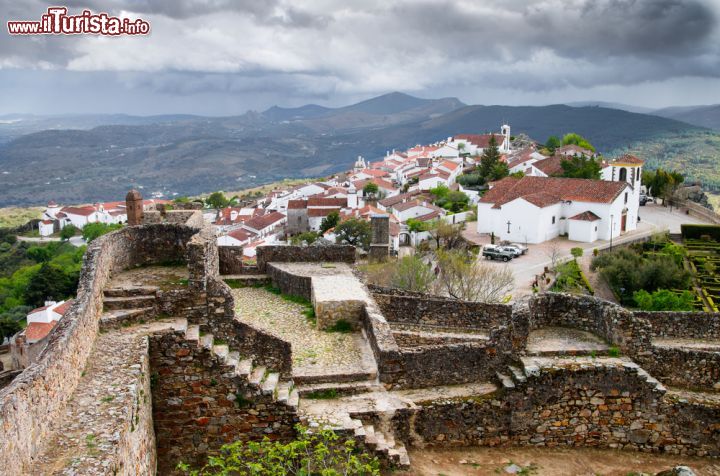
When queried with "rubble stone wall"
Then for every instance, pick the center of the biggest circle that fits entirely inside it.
(690, 325)
(412, 308)
(231, 259)
(608, 320)
(304, 254)
(604, 407)
(37, 396)
(199, 404)
(290, 283)
(693, 368)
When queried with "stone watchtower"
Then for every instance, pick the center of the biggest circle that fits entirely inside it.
(380, 243)
(134, 208)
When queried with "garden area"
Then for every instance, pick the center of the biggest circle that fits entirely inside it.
(660, 275)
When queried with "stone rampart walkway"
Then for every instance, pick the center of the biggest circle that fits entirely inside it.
(86, 440)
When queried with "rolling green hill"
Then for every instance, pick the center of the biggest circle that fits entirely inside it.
(191, 155)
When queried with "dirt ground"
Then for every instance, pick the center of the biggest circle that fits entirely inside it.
(548, 462)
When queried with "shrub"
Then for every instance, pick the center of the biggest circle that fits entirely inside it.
(664, 300)
(319, 452)
(412, 274)
(577, 252)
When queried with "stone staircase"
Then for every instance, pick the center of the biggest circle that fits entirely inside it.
(128, 305)
(267, 381)
(379, 442)
(247, 279)
(517, 374)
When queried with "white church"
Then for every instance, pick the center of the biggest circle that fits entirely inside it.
(535, 209)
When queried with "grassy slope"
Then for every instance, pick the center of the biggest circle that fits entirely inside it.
(16, 216)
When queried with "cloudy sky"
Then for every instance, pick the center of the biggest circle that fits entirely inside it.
(220, 57)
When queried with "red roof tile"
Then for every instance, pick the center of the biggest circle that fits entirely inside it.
(259, 223)
(83, 211)
(543, 191)
(321, 212)
(38, 330)
(326, 202)
(585, 216)
(551, 166)
(296, 204)
(480, 140)
(627, 159)
(63, 308)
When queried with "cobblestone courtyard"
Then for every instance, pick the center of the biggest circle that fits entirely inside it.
(315, 352)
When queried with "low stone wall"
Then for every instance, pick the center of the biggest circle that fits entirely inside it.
(199, 404)
(177, 217)
(594, 406)
(689, 325)
(37, 396)
(391, 369)
(412, 308)
(608, 320)
(691, 368)
(136, 447)
(290, 283)
(304, 254)
(231, 259)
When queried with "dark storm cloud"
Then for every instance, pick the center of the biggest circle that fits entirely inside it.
(322, 48)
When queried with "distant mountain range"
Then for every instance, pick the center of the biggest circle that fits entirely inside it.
(98, 157)
(703, 116)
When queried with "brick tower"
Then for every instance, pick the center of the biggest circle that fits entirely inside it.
(134, 207)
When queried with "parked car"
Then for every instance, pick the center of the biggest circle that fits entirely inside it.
(644, 199)
(511, 249)
(494, 252)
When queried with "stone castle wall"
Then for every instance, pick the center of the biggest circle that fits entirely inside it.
(199, 404)
(413, 308)
(231, 259)
(690, 325)
(37, 395)
(596, 406)
(304, 254)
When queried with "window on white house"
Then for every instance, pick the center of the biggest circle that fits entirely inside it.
(626, 197)
(553, 220)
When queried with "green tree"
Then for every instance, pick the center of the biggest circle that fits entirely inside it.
(39, 254)
(308, 238)
(581, 167)
(417, 226)
(68, 232)
(371, 190)
(577, 252)
(578, 140)
(552, 143)
(217, 200)
(312, 453)
(330, 221)
(489, 162)
(8, 328)
(664, 300)
(49, 282)
(662, 183)
(92, 231)
(412, 274)
(462, 277)
(354, 231)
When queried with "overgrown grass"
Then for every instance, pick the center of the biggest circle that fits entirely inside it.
(327, 394)
(12, 217)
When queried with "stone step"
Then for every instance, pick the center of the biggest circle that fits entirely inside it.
(257, 375)
(193, 332)
(269, 385)
(404, 458)
(120, 318)
(206, 341)
(339, 389)
(232, 359)
(131, 291)
(301, 379)
(221, 350)
(505, 381)
(294, 399)
(248, 279)
(283, 392)
(244, 368)
(370, 438)
(130, 302)
(517, 374)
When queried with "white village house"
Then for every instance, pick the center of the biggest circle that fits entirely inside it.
(537, 209)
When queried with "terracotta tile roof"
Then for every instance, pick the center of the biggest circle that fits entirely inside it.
(401, 207)
(574, 149)
(296, 204)
(321, 212)
(63, 308)
(38, 309)
(47, 222)
(384, 184)
(480, 140)
(374, 172)
(83, 211)
(242, 234)
(36, 331)
(326, 202)
(520, 157)
(449, 164)
(543, 191)
(435, 173)
(585, 216)
(550, 166)
(390, 201)
(628, 159)
(429, 216)
(259, 223)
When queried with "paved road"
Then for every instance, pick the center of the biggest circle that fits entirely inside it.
(75, 240)
(653, 219)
